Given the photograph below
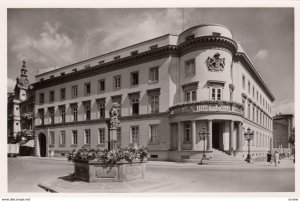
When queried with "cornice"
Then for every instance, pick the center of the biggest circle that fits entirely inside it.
(243, 58)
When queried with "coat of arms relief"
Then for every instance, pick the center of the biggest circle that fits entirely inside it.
(215, 63)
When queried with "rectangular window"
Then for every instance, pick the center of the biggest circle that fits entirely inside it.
(189, 68)
(154, 104)
(134, 78)
(216, 93)
(87, 136)
(42, 116)
(134, 52)
(117, 82)
(216, 34)
(87, 88)
(101, 85)
(256, 95)
(62, 94)
(243, 79)
(249, 110)
(74, 137)
(134, 134)
(75, 112)
(41, 98)
(154, 133)
(190, 95)
(253, 113)
(187, 132)
(135, 106)
(87, 111)
(51, 96)
(52, 138)
(154, 74)
(74, 91)
(62, 138)
(249, 87)
(101, 136)
(253, 92)
(51, 114)
(101, 110)
(62, 114)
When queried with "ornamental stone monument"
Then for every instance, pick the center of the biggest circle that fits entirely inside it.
(112, 125)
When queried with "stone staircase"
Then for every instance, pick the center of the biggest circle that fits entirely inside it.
(216, 157)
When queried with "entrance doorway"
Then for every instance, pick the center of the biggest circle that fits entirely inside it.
(215, 135)
(42, 143)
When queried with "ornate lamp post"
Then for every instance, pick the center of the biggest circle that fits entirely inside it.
(249, 136)
(202, 136)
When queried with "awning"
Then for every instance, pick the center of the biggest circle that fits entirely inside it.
(30, 143)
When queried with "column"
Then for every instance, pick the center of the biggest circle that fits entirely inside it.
(179, 133)
(240, 134)
(193, 135)
(209, 142)
(231, 127)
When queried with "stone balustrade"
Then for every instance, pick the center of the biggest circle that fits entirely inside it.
(207, 106)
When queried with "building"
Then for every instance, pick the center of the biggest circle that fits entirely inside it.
(283, 129)
(170, 88)
(20, 110)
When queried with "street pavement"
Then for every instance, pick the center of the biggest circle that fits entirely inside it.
(25, 173)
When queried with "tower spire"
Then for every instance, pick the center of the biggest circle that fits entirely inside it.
(24, 70)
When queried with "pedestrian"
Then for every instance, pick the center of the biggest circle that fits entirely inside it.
(276, 158)
(269, 157)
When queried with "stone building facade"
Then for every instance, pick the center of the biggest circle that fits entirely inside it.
(170, 88)
(283, 128)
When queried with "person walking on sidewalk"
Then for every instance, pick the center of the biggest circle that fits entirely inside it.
(276, 158)
(269, 157)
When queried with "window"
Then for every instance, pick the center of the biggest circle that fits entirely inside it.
(101, 136)
(134, 134)
(190, 95)
(87, 88)
(243, 82)
(101, 109)
(253, 92)
(101, 85)
(41, 98)
(257, 115)
(52, 138)
(87, 136)
(154, 104)
(135, 106)
(216, 34)
(62, 110)
(153, 47)
(51, 114)
(42, 116)
(154, 74)
(187, 132)
(62, 74)
(249, 87)
(62, 93)
(117, 82)
(74, 137)
(190, 37)
(117, 57)
(189, 68)
(62, 138)
(153, 133)
(256, 95)
(253, 113)
(134, 78)
(74, 91)
(74, 112)
(249, 110)
(87, 111)
(134, 52)
(216, 93)
(51, 96)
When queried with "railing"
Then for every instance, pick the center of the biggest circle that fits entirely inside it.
(207, 106)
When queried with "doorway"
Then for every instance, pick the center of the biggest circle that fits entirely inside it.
(42, 143)
(215, 135)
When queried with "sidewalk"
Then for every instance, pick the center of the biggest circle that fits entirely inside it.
(285, 163)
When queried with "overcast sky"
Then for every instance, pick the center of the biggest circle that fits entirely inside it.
(48, 38)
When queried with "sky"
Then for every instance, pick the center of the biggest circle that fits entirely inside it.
(49, 38)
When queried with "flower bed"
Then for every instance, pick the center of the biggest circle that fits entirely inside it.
(94, 165)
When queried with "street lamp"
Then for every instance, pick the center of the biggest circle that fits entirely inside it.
(202, 136)
(249, 136)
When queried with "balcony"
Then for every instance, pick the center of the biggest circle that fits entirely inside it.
(208, 106)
